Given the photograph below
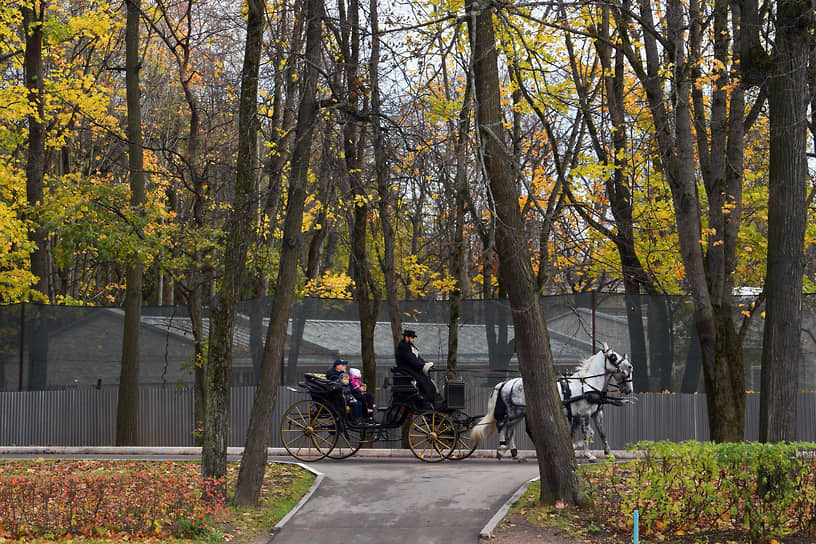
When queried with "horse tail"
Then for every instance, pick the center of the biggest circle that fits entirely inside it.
(488, 422)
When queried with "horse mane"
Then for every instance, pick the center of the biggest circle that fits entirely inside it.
(585, 366)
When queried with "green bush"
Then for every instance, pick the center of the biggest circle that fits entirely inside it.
(759, 490)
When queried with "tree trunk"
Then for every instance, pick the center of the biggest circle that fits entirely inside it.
(253, 462)
(556, 459)
(313, 257)
(787, 215)
(354, 136)
(33, 18)
(458, 133)
(127, 415)
(675, 139)
(386, 202)
(238, 231)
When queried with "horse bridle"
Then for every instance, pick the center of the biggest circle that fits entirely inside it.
(613, 358)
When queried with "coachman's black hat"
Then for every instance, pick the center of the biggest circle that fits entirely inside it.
(409, 332)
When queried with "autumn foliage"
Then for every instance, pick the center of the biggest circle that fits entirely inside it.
(65, 499)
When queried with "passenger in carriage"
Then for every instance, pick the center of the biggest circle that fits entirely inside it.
(355, 405)
(409, 361)
(358, 389)
(338, 367)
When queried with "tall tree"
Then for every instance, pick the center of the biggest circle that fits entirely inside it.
(354, 140)
(127, 415)
(707, 266)
(253, 461)
(556, 459)
(786, 70)
(385, 202)
(238, 234)
(33, 20)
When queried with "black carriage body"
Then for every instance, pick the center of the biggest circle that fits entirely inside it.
(433, 434)
(326, 392)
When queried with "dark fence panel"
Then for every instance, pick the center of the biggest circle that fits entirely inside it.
(88, 417)
(58, 347)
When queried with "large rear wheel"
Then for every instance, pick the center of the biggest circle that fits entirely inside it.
(308, 430)
(431, 436)
(465, 445)
(349, 441)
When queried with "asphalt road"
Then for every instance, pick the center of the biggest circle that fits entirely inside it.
(377, 500)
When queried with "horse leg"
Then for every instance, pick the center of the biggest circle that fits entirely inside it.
(598, 417)
(502, 449)
(511, 439)
(573, 426)
(587, 430)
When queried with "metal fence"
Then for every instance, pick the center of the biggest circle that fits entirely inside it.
(87, 417)
(58, 347)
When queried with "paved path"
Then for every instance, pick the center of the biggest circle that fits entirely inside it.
(403, 500)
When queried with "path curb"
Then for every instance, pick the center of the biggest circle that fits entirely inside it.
(487, 530)
(304, 499)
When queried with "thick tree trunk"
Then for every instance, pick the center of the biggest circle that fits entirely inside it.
(253, 462)
(127, 415)
(556, 459)
(787, 213)
(238, 235)
(675, 139)
(33, 17)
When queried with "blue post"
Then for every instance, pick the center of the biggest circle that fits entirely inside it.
(636, 528)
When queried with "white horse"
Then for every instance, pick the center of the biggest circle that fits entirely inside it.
(583, 394)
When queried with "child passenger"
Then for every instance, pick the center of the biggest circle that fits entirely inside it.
(355, 405)
(358, 389)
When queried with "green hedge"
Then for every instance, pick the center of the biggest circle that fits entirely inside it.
(759, 490)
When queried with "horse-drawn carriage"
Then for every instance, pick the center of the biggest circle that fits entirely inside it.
(322, 426)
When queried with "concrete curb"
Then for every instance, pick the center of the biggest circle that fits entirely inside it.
(271, 452)
(487, 530)
(196, 451)
(306, 496)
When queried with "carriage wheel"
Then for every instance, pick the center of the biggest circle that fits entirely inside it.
(349, 440)
(431, 436)
(465, 445)
(308, 430)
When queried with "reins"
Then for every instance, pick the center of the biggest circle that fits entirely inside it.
(595, 395)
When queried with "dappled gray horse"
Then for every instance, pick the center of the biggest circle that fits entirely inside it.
(583, 394)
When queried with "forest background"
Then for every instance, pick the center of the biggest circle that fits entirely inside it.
(347, 150)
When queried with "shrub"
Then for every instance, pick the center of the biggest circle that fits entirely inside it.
(760, 490)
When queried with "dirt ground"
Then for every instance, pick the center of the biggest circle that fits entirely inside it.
(514, 529)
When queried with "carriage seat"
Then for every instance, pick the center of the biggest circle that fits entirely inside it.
(403, 382)
(318, 383)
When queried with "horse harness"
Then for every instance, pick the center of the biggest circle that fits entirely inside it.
(500, 411)
(594, 395)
